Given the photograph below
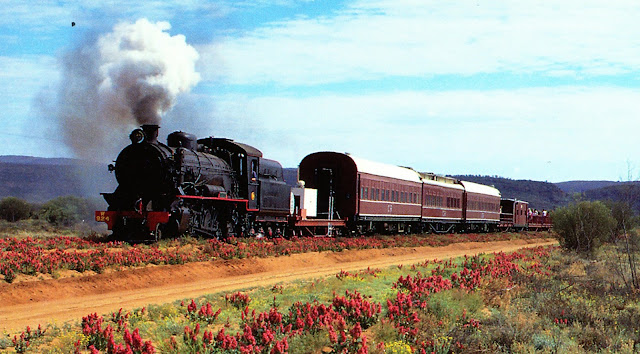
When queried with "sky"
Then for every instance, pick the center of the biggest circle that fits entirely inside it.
(540, 90)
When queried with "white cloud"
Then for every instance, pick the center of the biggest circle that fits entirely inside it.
(490, 132)
(409, 38)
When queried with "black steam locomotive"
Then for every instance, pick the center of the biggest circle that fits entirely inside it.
(212, 186)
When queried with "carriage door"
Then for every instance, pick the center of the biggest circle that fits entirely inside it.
(253, 187)
(326, 193)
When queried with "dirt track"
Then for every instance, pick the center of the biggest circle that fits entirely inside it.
(40, 302)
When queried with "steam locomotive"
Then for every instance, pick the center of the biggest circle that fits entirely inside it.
(221, 188)
(212, 186)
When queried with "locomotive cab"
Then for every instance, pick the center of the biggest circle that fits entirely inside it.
(243, 160)
(262, 182)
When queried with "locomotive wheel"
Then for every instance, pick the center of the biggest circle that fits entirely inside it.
(235, 224)
(211, 224)
(158, 233)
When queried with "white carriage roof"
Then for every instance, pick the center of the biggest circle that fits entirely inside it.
(444, 184)
(385, 170)
(408, 174)
(480, 188)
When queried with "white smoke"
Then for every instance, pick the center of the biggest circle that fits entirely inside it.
(128, 77)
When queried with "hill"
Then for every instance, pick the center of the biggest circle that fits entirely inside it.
(540, 195)
(620, 191)
(31, 160)
(571, 187)
(38, 180)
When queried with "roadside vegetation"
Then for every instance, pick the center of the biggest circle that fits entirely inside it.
(69, 215)
(32, 257)
(596, 230)
(541, 299)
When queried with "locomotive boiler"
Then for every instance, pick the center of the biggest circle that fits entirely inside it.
(212, 186)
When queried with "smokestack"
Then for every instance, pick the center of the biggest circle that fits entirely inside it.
(151, 132)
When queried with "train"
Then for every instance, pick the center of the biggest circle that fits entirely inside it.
(220, 188)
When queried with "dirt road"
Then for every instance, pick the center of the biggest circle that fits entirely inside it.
(40, 302)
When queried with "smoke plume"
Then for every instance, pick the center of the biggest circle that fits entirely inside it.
(128, 77)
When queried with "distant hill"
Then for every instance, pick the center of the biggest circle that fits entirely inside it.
(583, 186)
(30, 160)
(621, 191)
(38, 180)
(540, 195)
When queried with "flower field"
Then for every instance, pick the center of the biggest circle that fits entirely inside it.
(539, 299)
(31, 256)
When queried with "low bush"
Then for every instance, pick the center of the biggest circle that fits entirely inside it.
(583, 226)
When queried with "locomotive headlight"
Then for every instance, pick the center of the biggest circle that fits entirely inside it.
(137, 136)
(253, 195)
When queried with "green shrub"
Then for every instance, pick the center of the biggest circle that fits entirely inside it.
(14, 209)
(66, 211)
(583, 226)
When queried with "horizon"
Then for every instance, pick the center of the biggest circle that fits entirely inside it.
(74, 159)
(544, 92)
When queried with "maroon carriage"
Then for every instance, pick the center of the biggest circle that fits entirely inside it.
(368, 196)
(442, 203)
(513, 214)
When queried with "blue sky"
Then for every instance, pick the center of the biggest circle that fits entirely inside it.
(543, 90)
